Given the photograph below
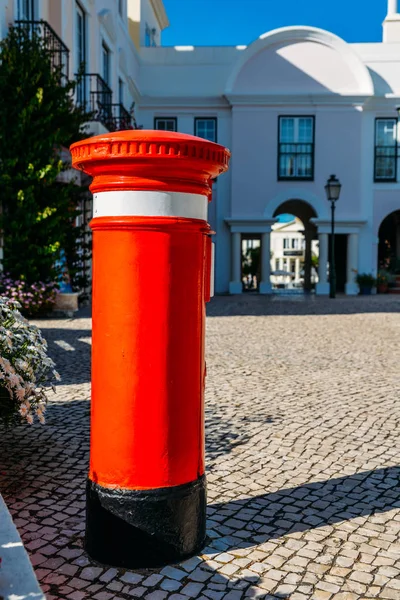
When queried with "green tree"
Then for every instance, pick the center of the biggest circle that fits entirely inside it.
(37, 119)
(315, 261)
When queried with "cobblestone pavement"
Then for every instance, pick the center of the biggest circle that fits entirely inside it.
(303, 427)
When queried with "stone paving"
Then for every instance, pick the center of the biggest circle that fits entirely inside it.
(303, 426)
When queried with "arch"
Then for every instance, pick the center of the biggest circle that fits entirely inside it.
(293, 194)
(298, 208)
(389, 241)
(286, 35)
(383, 213)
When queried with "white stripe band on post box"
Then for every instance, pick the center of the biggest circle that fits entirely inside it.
(150, 204)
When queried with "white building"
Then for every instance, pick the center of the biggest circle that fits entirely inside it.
(294, 106)
(103, 36)
(288, 254)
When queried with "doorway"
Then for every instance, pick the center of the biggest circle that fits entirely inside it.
(389, 243)
(251, 262)
(340, 261)
(295, 256)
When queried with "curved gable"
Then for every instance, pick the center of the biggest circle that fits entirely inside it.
(300, 60)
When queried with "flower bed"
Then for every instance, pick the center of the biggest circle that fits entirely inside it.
(35, 300)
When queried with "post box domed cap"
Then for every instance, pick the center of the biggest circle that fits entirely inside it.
(140, 159)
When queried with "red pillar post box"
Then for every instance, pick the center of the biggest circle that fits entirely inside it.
(146, 492)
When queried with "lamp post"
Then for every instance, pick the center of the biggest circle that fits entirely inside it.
(332, 189)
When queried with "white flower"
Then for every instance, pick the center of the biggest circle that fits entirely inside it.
(6, 365)
(42, 420)
(20, 393)
(14, 379)
(22, 364)
(23, 411)
(29, 418)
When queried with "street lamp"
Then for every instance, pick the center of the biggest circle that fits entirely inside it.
(332, 189)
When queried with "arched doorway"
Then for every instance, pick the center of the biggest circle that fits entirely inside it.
(389, 250)
(295, 246)
(389, 242)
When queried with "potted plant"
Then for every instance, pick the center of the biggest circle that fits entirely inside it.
(382, 282)
(366, 282)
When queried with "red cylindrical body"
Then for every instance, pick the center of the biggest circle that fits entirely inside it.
(149, 286)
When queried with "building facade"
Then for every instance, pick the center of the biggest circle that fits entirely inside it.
(295, 106)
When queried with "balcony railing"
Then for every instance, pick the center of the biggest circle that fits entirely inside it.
(95, 96)
(122, 119)
(58, 51)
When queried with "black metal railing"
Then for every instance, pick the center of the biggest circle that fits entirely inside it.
(122, 119)
(58, 51)
(95, 96)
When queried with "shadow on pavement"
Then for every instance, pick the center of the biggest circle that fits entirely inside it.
(309, 506)
(71, 351)
(255, 305)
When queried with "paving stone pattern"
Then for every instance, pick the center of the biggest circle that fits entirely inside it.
(302, 422)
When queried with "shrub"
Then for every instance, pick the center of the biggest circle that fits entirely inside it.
(26, 372)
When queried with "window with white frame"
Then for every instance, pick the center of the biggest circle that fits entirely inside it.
(206, 127)
(120, 91)
(286, 243)
(150, 36)
(81, 91)
(27, 10)
(166, 123)
(295, 243)
(147, 36)
(385, 150)
(296, 148)
(277, 264)
(80, 35)
(106, 58)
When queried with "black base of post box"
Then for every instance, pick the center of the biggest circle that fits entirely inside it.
(145, 528)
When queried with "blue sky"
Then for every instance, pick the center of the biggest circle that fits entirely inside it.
(232, 22)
